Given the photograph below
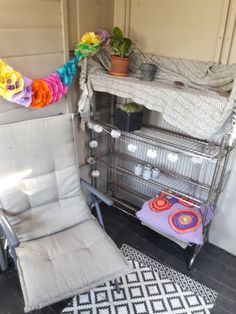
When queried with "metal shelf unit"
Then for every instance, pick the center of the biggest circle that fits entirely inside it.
(200, 173)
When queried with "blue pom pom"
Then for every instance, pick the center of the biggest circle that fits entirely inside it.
(68, 71)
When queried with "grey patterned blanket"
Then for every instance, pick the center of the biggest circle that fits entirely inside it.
(202, 108)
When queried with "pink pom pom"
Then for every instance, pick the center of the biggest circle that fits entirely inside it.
(63, 88)
(58, 89)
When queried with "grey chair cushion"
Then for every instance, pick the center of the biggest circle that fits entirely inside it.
(39, 177)
(63, 251)
(67, 263)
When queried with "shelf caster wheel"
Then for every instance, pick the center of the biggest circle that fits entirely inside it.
(116, 285)
(191, 255)
(190, 263)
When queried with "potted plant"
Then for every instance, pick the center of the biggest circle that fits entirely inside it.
(128, 117)
(120, 60)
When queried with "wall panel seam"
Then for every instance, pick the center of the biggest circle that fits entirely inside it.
(33, 54)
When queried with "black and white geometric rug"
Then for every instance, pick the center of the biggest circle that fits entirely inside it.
(151, 288)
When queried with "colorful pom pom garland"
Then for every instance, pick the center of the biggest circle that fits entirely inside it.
(39, 93)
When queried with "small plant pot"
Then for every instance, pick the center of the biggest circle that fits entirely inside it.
(128, 121)
(119, 66)
(148, 71)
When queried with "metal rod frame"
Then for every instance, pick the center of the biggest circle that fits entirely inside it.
(219, 153)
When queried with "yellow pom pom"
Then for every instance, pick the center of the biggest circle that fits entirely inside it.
(11, 81)
(4, 68)
(90, 38)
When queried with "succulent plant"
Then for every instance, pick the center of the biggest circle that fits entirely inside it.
(130, 107)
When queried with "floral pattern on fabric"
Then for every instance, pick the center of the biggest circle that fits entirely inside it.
(171, 217)
(159, 204)
(183, 220)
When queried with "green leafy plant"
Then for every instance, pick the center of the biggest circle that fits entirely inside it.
(120, 43)
(130, 107)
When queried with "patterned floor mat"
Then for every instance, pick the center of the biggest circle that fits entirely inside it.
(151, 288)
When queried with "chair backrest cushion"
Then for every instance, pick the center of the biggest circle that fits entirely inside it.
(39, 177)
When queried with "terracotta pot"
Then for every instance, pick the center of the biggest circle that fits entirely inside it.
(119, 66)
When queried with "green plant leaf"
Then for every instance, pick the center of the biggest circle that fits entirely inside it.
(117, 32)
(117, 42)
(120, 43)
(124, 47)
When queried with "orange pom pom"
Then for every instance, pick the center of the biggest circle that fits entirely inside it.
(42, 94)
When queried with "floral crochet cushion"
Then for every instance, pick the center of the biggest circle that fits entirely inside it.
(175, 216)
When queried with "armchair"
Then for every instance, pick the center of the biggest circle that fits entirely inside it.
(59, 248)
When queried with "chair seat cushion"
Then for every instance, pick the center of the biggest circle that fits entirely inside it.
(64, 264)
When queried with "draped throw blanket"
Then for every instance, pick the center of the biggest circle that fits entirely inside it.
(203, 107)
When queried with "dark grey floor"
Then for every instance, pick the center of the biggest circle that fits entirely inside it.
(213, 267)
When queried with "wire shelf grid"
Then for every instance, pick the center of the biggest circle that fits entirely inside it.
(172, 141)
(122, 174)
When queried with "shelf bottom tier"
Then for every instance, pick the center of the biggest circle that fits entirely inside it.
(131, 209)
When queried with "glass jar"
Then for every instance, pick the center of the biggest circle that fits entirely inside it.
(147, 172)
(138, 169)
